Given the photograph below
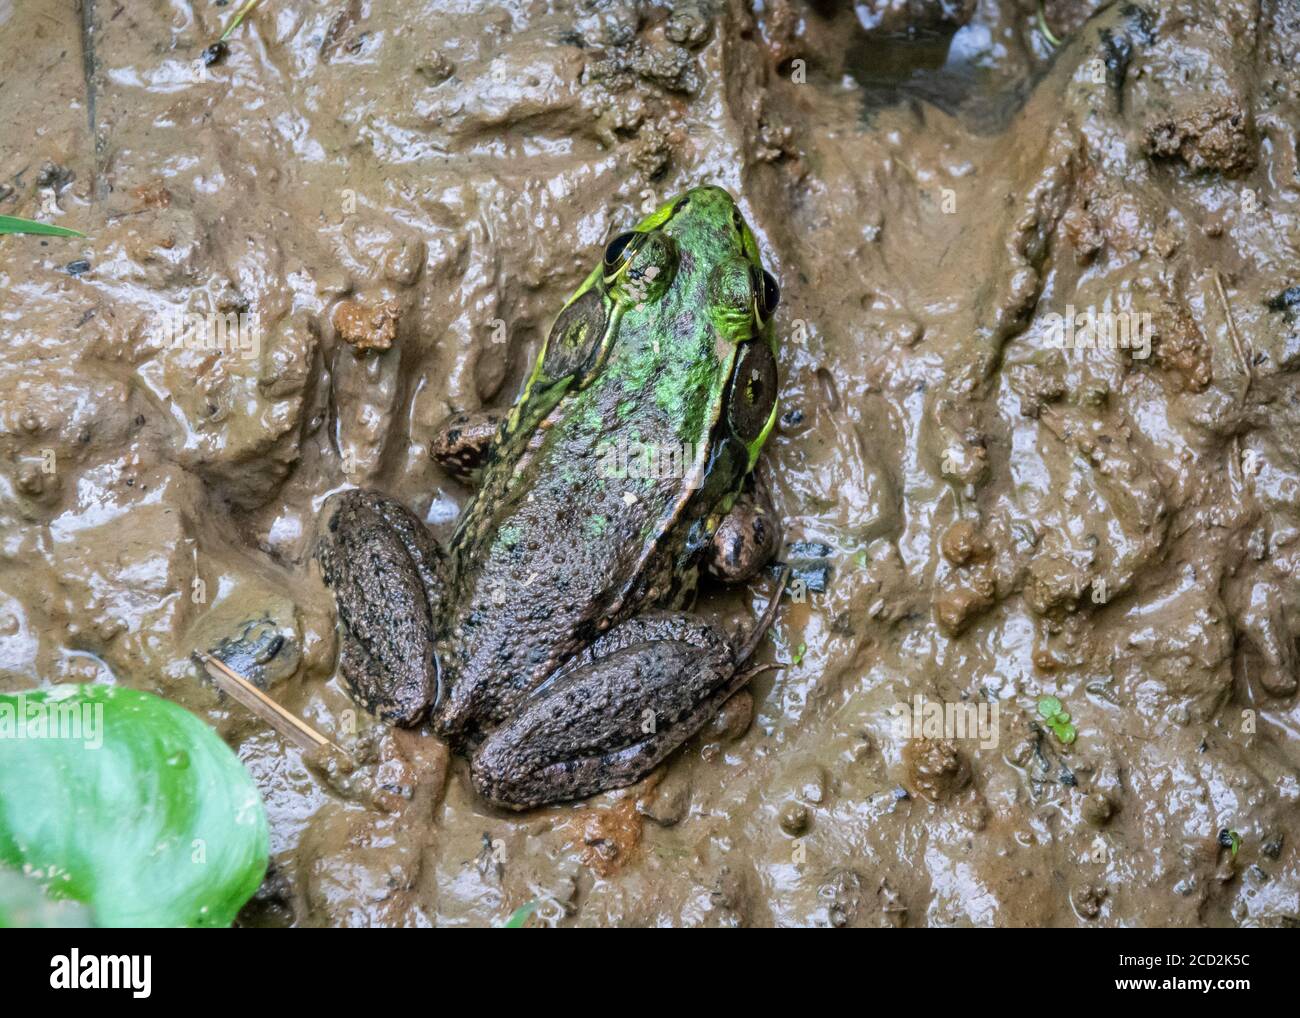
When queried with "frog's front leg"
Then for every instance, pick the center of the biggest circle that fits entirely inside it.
(461, 443)
(747, 538)
(386, 572)
(612, 714)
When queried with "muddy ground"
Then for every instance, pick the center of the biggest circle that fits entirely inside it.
(996, 520)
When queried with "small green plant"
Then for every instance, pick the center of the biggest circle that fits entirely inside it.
(1053, 713)
(799, 652)
(1230, 840)
(1052, 40)
(520, 915)
(14, 224)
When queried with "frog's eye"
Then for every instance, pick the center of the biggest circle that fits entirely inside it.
(618, 252)
(771, 295)
(753, 391)
(643, 267)
(575, 339)
(767, 295)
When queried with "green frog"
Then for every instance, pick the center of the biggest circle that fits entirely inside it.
(548, 640)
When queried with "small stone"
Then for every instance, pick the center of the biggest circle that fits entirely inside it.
(687, 28)
(666, 804)
(936, 768)
(962, 544)
(1087, 900)
(732, 720)
(30, 480)
(367, 326)
(435, 67)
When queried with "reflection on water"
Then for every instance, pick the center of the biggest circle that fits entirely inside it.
(975, 74)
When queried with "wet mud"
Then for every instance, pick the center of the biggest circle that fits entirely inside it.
(1040, 437)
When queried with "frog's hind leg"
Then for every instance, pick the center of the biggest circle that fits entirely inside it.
(386, 572)
(612, 714)
(462, 442)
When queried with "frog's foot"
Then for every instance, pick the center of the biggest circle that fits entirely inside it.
(386, 574)
(746, 539)
(461, 443)
(610, 715)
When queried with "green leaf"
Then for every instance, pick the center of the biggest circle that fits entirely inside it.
(1067, 733)
(1049, 707)
(13, 224)
(25, 905)
(800, 651)
(130, 804)
(239, 18)
(520, 915)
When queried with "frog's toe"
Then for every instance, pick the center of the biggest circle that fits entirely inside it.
(461, 443)
(745, 541)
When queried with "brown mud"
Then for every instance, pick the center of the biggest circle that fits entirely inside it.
(399, 196)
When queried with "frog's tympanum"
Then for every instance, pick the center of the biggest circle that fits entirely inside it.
(547, 640)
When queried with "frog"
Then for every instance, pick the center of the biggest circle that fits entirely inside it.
(550, 639)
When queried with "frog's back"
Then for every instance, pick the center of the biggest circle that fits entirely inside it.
(578, 532)
(573, 546)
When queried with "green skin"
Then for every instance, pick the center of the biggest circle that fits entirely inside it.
(537, 637)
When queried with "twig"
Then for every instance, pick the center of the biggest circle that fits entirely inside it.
(239, 688)
(1232, 331)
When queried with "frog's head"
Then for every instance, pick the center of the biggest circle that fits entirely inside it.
(678, 312)
(694, 279)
